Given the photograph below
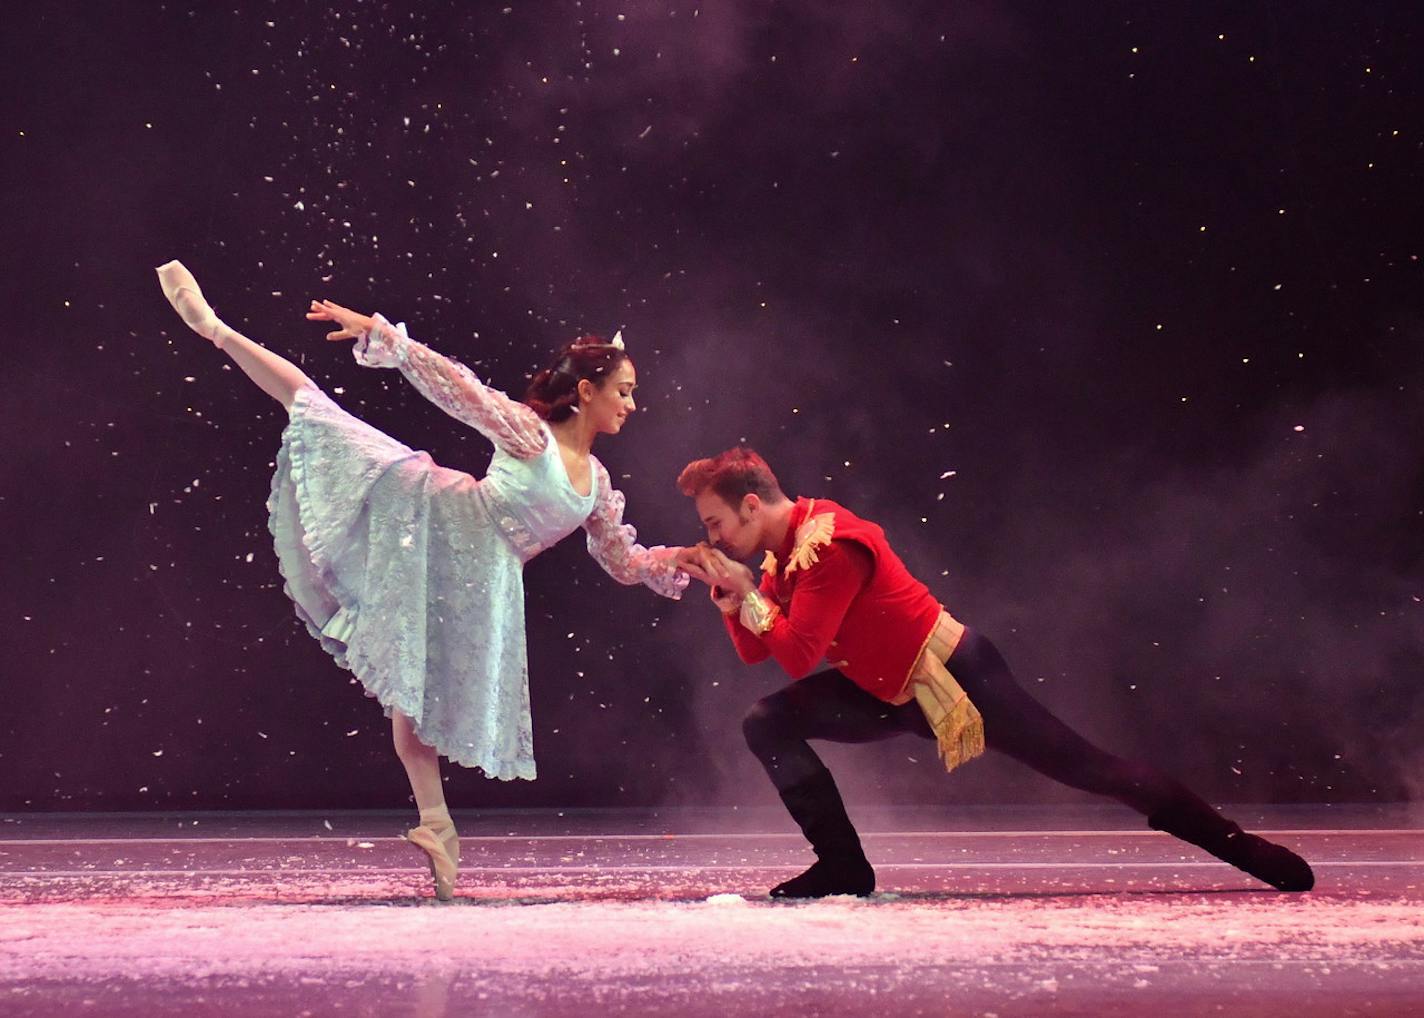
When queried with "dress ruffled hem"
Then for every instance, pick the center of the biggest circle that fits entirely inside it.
(348, 655)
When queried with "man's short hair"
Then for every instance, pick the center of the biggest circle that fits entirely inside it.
(732, 475)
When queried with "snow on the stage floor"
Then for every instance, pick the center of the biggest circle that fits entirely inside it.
(583, 936)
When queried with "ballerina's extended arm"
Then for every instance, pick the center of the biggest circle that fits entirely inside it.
(613, 545)
(454, 388)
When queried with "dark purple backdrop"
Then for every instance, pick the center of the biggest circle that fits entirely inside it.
(1108, 312)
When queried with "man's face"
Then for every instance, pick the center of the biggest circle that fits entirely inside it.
(736, 531)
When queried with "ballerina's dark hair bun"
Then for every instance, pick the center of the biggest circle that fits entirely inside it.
(553, 392)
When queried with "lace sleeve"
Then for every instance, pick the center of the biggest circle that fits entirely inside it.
(454, 388)
(613, 545)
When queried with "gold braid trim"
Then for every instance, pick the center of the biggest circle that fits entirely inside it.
(758, 614)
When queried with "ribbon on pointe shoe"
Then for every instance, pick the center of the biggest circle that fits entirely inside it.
(187, 299)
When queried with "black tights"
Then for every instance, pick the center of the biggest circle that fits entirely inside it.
(829, 706)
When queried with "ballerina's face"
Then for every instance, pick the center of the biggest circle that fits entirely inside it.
(609, 404)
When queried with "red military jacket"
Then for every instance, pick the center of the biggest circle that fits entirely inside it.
(842, 593)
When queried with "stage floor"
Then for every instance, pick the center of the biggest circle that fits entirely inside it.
(990, 912)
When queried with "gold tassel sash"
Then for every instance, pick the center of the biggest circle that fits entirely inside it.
(956, 722)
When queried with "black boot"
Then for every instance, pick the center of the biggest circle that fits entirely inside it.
(1194, 821)
(841, 866)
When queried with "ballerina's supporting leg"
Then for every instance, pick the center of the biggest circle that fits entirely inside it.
(436, 834)
(274, 374)
(422, 764)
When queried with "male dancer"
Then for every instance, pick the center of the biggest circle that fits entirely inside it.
(831, 585)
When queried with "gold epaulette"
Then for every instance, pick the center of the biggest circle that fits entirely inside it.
(813, 533)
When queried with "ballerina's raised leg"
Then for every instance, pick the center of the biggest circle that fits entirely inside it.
(273, 373)
(282, 380)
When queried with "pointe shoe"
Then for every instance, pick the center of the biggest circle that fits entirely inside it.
(443, 851)
(187, 299)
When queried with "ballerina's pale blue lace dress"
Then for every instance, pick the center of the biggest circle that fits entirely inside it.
(411, 575)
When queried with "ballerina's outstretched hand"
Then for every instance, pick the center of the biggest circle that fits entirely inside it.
(353, 324)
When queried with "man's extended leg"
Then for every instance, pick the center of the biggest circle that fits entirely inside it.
(824, 706)
(1017, 724)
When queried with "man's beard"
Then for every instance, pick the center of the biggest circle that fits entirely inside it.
(743, 521)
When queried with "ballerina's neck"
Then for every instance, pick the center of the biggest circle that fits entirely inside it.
(574, 434)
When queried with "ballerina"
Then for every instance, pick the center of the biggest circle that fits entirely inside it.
(411, 574)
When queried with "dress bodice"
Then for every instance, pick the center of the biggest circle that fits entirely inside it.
(532, 500)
